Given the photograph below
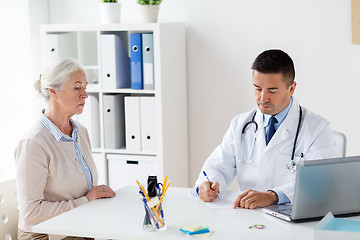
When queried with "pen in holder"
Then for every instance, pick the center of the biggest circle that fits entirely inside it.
(152, 217)
(152, 208)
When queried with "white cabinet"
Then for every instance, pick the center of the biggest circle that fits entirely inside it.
(163, 146)
(126, 169)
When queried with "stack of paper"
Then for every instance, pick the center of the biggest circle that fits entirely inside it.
(196, 229)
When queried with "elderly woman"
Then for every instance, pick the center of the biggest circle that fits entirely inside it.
(55, 171)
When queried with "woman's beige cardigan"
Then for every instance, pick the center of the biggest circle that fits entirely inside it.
(49, 178)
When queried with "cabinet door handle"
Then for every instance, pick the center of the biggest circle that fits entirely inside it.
(132, 162)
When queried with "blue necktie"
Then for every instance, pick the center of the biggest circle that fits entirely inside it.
(271, 130)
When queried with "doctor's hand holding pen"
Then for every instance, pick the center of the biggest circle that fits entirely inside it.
(208, 191)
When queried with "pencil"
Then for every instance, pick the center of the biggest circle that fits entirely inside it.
(162, 196)
(164, 184)
(143, 190)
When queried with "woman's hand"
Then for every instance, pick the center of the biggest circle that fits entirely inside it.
(101, 191)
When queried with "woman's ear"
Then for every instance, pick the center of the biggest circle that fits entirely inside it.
(52, 91)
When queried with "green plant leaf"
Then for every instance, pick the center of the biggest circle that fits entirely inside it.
(149, 2)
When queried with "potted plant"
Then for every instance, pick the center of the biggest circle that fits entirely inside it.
(110, 11)
(149, 10)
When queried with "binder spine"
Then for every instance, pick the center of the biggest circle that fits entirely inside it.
(114, 121)
(148, 60)
(136, 68)
(115, 62)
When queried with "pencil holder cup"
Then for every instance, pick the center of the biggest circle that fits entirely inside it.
(152, 214)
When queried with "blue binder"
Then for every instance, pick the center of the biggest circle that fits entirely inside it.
(136, 61)
(148, 60)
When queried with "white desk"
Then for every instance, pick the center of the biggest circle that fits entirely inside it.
(120, 218)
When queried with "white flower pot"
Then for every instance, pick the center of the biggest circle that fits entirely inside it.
(148, 13)
(110, 12)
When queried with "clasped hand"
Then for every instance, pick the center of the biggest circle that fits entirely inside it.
(252, 199)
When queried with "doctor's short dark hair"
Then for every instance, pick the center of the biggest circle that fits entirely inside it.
(275, 61)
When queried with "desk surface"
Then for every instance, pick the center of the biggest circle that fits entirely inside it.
(120, 218)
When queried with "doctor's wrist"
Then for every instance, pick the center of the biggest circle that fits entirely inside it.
(273, 196)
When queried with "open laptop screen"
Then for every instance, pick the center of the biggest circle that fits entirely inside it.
(327, 185)
(323, 186)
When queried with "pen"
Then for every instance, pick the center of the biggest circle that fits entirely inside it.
(165, 188)
(209, 182)
(148, 211)
(148, 199)
(151, 216)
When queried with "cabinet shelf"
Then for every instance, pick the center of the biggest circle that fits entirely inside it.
(95, 88)
(127, 152)
(90, 27)
(170, 158)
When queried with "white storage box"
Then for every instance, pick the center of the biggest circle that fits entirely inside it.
(126, 169)
(331, 228)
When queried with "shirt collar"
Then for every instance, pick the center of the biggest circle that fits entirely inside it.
(55, 131)
(280, 117)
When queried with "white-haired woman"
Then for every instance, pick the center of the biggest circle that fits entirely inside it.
(55, 171)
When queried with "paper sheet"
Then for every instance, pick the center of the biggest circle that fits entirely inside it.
(226, 201)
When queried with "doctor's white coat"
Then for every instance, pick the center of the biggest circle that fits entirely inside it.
(267, 169)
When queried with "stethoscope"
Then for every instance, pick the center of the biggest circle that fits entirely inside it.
(291, 166)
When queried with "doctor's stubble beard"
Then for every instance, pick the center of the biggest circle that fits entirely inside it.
(269, 108)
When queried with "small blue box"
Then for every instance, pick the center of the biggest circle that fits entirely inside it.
(331, 228)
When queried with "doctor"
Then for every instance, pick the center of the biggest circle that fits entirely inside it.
(263, 146)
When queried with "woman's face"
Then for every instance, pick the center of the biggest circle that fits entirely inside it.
(71, 98)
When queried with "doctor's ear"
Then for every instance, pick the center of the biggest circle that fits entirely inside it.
(292, 88)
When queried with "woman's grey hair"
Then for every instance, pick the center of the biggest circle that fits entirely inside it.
(55, 75)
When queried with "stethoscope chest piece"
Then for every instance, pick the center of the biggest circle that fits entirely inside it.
(291, 166)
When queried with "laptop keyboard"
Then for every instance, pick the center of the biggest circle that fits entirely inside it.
(286, 211)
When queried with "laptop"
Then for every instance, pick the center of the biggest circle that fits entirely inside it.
(322, 186)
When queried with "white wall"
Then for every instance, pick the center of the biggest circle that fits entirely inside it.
(19, 66)
(317, 34)
(15, 78)
(224, 37)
